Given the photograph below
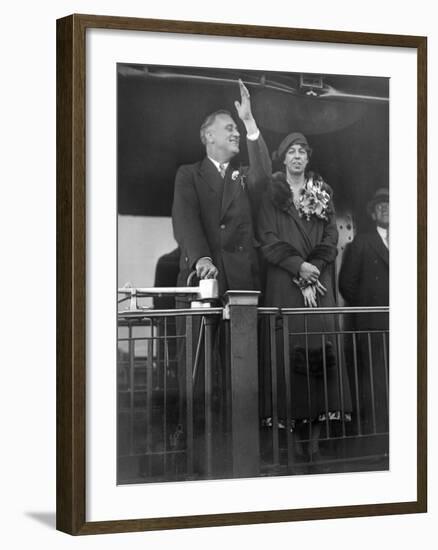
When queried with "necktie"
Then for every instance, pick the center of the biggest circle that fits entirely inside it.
(222, 170)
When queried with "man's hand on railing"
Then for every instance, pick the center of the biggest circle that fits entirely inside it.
(205, 269)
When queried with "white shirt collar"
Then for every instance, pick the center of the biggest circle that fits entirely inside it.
(383, 232)
(217, 164)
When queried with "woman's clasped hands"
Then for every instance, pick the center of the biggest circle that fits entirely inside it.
(309, 284)
(310, 292)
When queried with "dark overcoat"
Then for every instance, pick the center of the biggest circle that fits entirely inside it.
(319, 382)
(364, 278)
(214, 217)
(364, 281)
(314, 240)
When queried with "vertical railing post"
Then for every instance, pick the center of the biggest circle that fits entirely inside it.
(208, 393)
(241, 312)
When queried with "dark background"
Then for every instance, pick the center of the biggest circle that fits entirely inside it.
(161, 108)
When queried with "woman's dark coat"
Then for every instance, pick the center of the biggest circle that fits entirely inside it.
(319, 382)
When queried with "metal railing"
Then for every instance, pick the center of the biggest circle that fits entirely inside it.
(338, 367)
(195, 386)
(159, 365)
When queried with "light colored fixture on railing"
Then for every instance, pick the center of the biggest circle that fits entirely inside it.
(203, 295)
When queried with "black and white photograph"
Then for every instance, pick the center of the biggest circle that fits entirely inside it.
(196, 229)
(253, 236)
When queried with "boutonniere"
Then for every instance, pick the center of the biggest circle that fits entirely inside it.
(314, 199)
(240, 178)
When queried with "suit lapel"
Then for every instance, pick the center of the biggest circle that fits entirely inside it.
(377, 243)
(210, 175)
(231, 190)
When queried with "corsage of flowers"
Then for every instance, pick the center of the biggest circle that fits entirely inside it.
(314, 199)
(237, 176)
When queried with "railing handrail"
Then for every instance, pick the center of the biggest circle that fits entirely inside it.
(201, 311)
(321, 310)
(206, 292)
(141, 314)
(157, 290)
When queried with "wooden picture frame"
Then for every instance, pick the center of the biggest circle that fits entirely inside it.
(71, 273)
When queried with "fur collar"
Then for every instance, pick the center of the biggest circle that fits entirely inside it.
(281, 193)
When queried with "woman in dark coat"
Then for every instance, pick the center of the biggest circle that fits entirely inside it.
(298, 236)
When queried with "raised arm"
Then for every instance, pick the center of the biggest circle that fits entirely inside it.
(243, 109)
(260, 169)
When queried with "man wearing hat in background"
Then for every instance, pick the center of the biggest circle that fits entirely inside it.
(364, 275)
(364, 281)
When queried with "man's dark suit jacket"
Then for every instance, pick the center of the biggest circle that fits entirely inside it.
(364, 278)
(214, 217)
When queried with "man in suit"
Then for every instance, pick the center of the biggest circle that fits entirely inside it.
(214, 207)
(364, 275)
(215, 202)
(364, 281)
